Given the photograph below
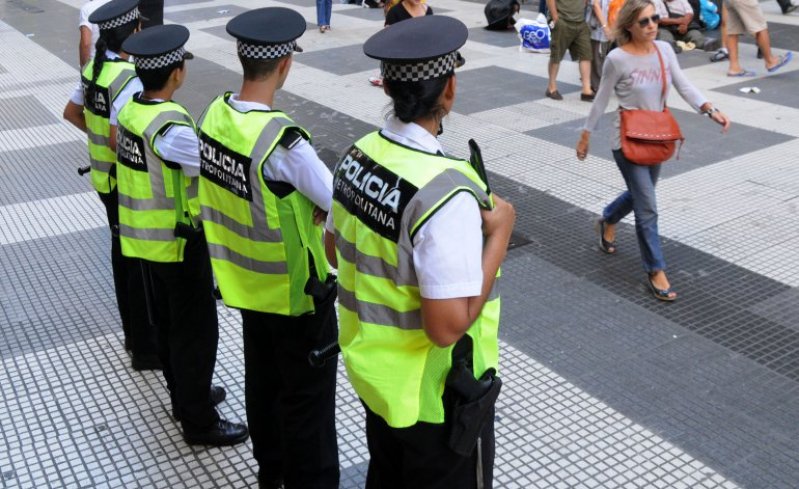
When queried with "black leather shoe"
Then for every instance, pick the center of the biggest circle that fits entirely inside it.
(223, 433)
(264, 482)
(587, 97)
(148, 361)
(218, 394)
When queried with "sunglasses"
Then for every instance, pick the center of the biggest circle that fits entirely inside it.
(646, 20)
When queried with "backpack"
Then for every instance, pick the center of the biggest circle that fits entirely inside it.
(499, 13)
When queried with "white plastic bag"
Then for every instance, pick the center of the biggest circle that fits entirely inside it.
(533, 34)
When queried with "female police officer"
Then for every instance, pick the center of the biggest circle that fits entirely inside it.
(418, 308)
(107, 84)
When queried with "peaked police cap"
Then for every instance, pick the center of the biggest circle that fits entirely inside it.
(115, 13)
(267, 33)
(421, 48)
(158, 46)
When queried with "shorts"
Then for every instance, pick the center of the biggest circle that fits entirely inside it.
(572, 36)
(744, 16)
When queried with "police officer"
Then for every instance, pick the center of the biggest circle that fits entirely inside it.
(158, 163)
(263, 192)
(418, 241)
(107, 84)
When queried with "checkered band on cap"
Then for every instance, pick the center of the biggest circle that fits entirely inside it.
(118, 21)
(265, 51)
(166, 59)
(425, 70)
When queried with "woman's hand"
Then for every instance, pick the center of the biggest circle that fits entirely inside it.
(721, 118)
(582, 145)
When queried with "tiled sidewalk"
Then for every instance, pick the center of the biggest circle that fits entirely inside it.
(603, 386)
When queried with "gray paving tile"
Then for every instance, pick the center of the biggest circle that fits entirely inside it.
(36, 114)
(220, 32)
(704, 142)
(344, 60)
(491, 87)
(779, 88)
(782, 308)
(503, 39)
(204, 13)
(172, 3)
(56, 166)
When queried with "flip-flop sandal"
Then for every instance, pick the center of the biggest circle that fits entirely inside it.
(660, 294)
(742, 74)
(784, 60)
(608, 247)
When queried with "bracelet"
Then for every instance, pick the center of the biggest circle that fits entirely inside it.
(709, 112)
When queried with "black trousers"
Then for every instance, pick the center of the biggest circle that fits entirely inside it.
(418, 457)
(140, 335)
(290, 405)
(188, 331)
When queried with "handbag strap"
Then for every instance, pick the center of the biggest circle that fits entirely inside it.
(662, 75)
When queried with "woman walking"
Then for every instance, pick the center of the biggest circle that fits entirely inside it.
(633, 73)
(324, 9)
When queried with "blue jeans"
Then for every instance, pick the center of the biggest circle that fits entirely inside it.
(323, 9)
(639, 198)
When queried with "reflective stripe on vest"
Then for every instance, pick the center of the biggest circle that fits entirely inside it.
(153, 197)
(114, 76)
(259, 243)
(383, 194)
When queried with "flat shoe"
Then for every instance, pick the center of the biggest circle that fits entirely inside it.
(719, 56)
(661, 294)
(554, 95)
(587, 97)
(742, 74)
(608, 247)
(784, 60)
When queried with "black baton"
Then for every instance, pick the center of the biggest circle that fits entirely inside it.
(82, 170)
(318, 358)
(476, 160)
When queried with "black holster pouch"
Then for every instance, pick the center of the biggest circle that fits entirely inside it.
(473, 404)
(324, 296)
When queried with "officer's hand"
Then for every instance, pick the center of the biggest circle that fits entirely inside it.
(500, 219)
(319, 216)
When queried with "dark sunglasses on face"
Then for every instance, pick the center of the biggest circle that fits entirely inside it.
(646, 20)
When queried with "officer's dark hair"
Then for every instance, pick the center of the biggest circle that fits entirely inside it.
(111, 40)
(415, 100)
(258, 69)
(153, 80)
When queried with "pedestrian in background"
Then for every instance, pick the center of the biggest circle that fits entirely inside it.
(746, 16)
(570, 33)
(601, 37)
(324, 9)
(633, 72)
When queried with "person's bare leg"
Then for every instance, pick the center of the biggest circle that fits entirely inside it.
(764, 43)
(553, 77)
(585, 76)
(732, 49)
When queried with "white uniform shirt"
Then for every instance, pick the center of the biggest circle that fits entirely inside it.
(448, 248)
(86, 10)
(300, 166)
(124, 96)
(180, 144)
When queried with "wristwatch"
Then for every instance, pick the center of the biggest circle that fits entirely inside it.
(709, 112)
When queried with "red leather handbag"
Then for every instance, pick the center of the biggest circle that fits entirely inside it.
(649, 137)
